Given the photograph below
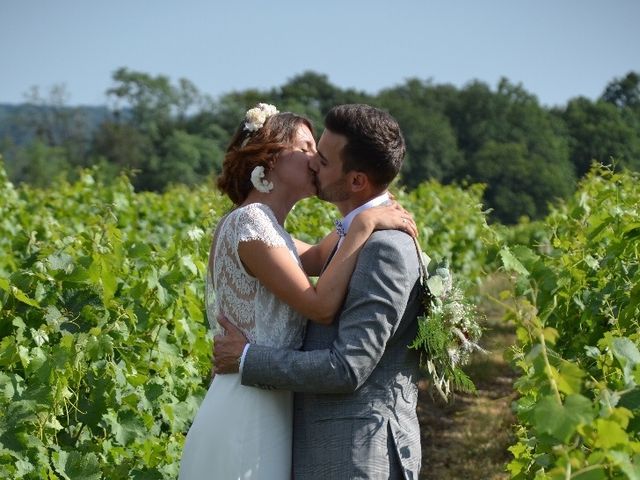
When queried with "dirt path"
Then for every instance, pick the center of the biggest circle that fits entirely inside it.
(469, 439)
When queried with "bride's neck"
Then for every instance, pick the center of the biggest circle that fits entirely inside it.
(279, 206)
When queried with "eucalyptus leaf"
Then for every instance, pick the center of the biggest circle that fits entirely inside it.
(435, 285)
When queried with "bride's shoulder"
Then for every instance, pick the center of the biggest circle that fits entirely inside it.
(255, 213)
(256, 221)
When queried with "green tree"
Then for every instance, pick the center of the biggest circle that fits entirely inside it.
(624, 92)
(599, 131)
(507, 122)
(43, 126)
(187, 159)
(231, 107)
(150, 101)
(432, 151)
(519, 182)
(152, 131)
(125, 148)
(310, 89)
(313, 95)
(54, 123)
(39, 164)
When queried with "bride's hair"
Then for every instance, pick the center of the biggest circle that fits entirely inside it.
(248, 150)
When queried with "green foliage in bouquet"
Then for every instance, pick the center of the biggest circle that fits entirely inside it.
(453, 224)
(448, 331)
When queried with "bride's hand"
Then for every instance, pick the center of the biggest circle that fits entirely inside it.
(388, 217)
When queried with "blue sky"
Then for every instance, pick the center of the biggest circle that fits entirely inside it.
(557, 49)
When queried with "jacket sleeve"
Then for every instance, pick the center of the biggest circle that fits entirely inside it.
(378, 294)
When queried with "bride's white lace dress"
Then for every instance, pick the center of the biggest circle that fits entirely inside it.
(244, 432)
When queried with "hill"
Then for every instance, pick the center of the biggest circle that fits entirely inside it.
(17, 120)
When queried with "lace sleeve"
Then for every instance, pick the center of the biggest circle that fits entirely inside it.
(256, 222)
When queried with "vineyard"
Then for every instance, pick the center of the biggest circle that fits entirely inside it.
(105, 349)
(577, 311)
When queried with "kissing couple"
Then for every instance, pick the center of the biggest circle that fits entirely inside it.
(313, 381)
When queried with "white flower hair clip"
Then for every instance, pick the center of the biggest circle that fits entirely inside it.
(257, 179)
(255, 117)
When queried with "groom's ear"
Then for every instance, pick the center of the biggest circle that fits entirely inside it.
(358, 181)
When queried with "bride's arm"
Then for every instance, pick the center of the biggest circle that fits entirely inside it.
(277, 270)
(313, 257)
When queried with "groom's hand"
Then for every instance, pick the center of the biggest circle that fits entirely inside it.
(227, 349)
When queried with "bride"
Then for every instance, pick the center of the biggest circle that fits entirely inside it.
(260, 277)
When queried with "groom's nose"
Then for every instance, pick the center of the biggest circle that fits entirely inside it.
(314, 163)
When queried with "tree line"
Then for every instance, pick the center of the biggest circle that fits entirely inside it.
(162, 133)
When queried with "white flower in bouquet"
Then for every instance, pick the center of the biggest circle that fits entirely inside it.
(448, 331)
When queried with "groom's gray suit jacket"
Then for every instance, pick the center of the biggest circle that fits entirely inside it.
(355, 410)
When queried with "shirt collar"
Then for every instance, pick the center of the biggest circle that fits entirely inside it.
(374, 202)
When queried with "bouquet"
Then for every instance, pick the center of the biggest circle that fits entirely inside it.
(448, 330)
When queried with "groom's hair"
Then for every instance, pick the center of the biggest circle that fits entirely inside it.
(375, 145)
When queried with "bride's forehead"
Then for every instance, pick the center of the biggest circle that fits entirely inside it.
(304, 140)
(304, 134)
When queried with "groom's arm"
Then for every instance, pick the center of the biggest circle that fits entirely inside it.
(379, 290)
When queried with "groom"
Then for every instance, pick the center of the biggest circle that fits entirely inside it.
(356, 380)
